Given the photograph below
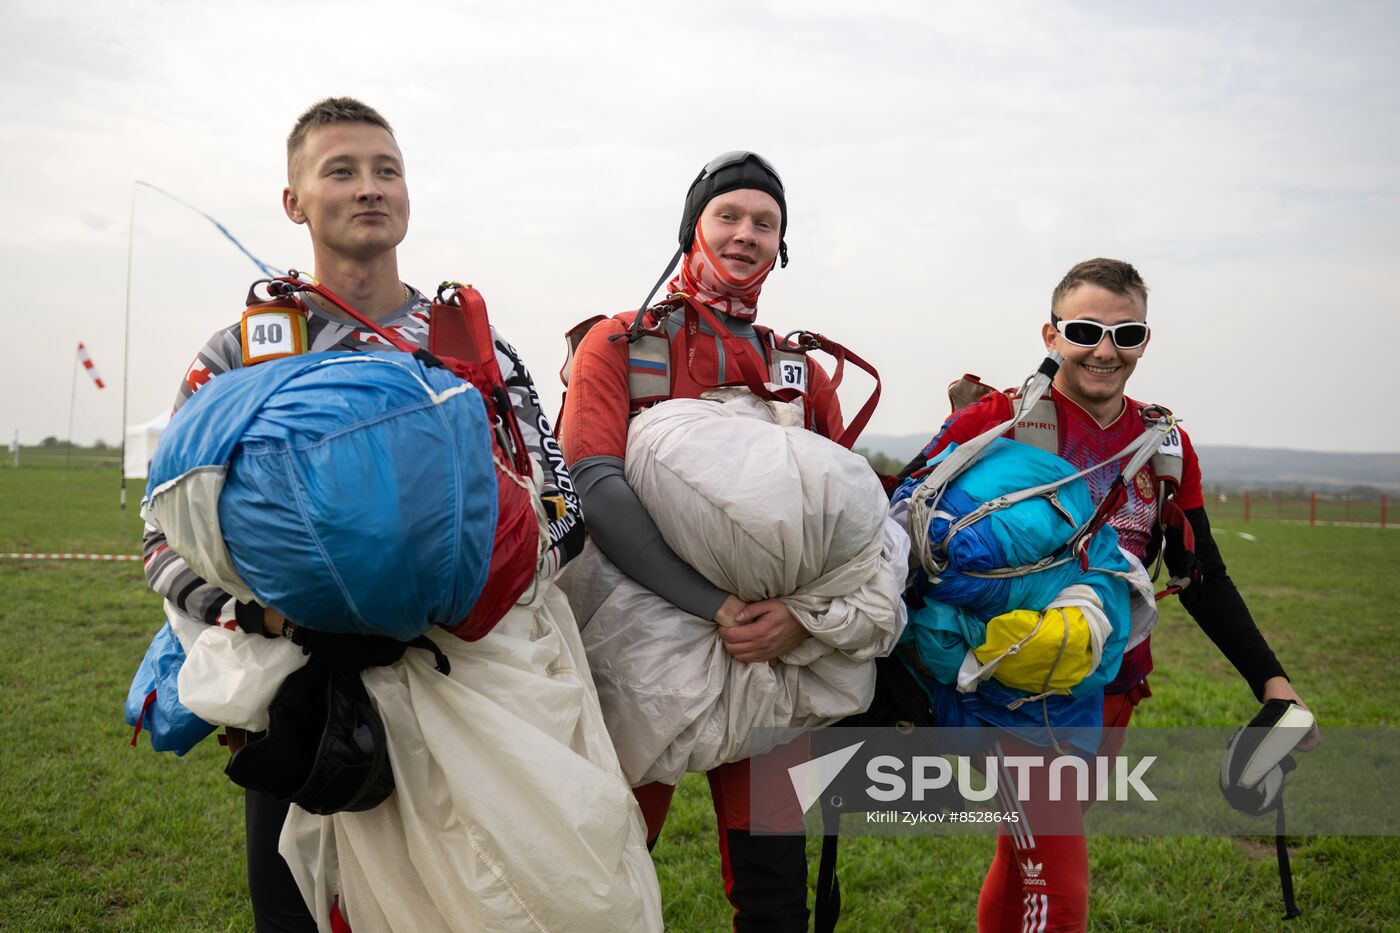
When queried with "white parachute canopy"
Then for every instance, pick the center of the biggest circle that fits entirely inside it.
(141, 441)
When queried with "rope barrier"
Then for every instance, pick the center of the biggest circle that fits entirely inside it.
(16, 555)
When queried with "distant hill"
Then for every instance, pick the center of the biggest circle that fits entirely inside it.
(1276, 468)
(1236, 467)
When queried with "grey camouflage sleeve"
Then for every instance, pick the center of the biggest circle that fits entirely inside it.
(166, 572)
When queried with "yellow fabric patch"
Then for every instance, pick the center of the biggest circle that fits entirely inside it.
(1029, 666)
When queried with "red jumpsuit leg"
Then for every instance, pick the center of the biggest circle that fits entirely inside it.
(1037, 883)
(1013, 896)
(1117, 713)
(655, 801)
(765, 876)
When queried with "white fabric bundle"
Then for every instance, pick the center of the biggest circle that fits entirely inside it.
(229, 676)
(762, 508)
(509, 811)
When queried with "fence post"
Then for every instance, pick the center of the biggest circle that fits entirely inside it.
(1346, 508)
(1382, 510)
(1246, 507)
(1312, 510)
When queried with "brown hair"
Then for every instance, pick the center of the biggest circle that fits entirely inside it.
(1115, 275)
(327, 112)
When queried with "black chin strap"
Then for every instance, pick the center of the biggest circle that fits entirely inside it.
(635, 331)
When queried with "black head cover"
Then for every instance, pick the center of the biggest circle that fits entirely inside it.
(731, 172)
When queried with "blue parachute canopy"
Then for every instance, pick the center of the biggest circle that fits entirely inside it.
(1016, 536)
(352, 492)
(949, 614)
(153, 699)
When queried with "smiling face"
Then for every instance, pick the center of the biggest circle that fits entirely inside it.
(348, 187)
(1095, 377)
(742, 230)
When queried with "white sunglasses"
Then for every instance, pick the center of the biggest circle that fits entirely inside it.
(1126, 336)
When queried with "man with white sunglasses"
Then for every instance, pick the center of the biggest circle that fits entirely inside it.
(1098, 323)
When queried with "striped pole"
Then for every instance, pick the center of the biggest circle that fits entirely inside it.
(72, 400)
(126, 353)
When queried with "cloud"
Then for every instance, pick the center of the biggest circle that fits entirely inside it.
(945, 163)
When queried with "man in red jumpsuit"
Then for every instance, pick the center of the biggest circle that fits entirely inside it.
(731, 237)
(1098, 323)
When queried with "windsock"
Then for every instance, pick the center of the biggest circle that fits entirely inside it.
(87, 364)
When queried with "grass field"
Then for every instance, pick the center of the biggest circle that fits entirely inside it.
(95, 835)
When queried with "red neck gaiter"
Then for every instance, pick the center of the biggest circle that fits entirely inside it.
(703, 278)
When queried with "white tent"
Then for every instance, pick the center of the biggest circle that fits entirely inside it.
(141, 440)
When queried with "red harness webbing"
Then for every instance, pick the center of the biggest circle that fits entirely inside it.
(755, 375)
(808, 340)
(459, 329)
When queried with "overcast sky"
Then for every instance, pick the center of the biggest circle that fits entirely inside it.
(945, 164)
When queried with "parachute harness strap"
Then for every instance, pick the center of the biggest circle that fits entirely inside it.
(504, 424)
(661, 311)
(924, 501)
(286, 286)
(634, 333)
(1158, 426)
(1139, 450)
(806, 342)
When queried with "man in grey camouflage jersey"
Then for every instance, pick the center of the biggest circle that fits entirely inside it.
(346, 184)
